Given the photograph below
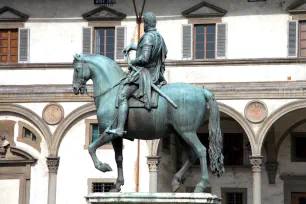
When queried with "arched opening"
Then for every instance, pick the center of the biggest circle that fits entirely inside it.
(283, 148)
(237, 149)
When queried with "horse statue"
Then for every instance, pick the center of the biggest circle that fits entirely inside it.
(159, 122)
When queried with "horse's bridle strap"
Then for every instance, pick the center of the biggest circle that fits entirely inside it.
(107, 90)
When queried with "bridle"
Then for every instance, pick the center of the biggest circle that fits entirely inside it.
(82, 81)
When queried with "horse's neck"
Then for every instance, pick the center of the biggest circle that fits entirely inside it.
(104, 80)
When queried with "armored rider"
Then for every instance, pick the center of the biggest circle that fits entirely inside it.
(151, 53)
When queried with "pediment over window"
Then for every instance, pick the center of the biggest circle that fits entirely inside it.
(298, 7)
(8, 14)
(204, 10)
(17, 156)
(104, 13)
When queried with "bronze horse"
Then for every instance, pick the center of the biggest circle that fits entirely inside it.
(183, 121)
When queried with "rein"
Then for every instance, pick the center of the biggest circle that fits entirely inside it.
(103, 93)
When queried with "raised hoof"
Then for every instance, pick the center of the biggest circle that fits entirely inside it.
(104, 167)
(175, 187)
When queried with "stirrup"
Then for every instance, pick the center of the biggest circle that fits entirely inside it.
(116, 132)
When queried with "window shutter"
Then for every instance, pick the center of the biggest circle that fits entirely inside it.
(120, 42)
(24, 44)
(292, 38)
(87, 40)
(221, 40)
(187, 42)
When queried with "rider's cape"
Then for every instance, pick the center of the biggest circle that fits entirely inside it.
(154, 70)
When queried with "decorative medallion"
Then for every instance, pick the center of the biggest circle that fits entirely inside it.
(256, 111)
(53, 113)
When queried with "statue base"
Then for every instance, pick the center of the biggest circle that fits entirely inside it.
(160, 198)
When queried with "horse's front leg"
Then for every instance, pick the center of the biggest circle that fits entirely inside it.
(104, 139)
(117, 145)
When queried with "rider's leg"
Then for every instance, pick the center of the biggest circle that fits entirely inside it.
(126, 93)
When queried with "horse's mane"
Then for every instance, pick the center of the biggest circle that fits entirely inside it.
(99, 60)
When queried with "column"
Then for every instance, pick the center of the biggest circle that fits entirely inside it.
(53, 163)
(256, 162)
(153, 162)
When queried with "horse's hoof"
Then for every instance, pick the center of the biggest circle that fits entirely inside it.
(175, 187)
(104, 168)
(199, 189)
(115, 190)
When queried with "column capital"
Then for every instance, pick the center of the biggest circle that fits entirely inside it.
(53, 163)
(153, 162)
(256, 162)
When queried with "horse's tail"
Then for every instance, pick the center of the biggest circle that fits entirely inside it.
(215, 136)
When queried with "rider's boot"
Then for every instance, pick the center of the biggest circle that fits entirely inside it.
(122, 115)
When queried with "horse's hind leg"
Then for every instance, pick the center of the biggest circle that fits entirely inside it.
(117, 145)
(192, 157)
(192, 139)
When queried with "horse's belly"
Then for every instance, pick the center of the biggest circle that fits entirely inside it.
(142, 124)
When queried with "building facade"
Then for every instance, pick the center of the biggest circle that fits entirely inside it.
(250, 54)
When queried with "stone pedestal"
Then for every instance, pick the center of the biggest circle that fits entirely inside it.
(160, 198)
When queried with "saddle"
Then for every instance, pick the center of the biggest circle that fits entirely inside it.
(134, 102)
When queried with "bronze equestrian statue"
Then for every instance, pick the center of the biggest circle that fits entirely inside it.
(180, 108)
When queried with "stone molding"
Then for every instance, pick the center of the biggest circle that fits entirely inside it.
(223, 91)
(153, 198)
(21, 16)
(218, 11)
(14, 109)
(270, 120)
(109, 15)
(53, 163)
(271, 168)
(153, 162)
(169, 63)
(256, 162)
(248, 111)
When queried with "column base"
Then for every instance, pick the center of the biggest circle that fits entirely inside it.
(161, 198)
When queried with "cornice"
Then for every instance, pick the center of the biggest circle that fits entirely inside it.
(169, 63)
(222, 91)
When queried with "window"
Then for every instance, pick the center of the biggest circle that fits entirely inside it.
(28, 135)
(302, 39)
(234, 195)
(298, 150)
(8, 45)
(105, 42)
(233, 148)
(92, 133)
(204, 41)
(100, 185)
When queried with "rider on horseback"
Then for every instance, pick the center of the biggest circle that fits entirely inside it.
(151, 53)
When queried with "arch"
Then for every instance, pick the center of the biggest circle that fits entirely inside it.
(277, 114)
(67, 122)
(285, 134)
(232, 113)
(23, 112)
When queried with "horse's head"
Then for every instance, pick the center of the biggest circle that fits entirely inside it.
(81, 75)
